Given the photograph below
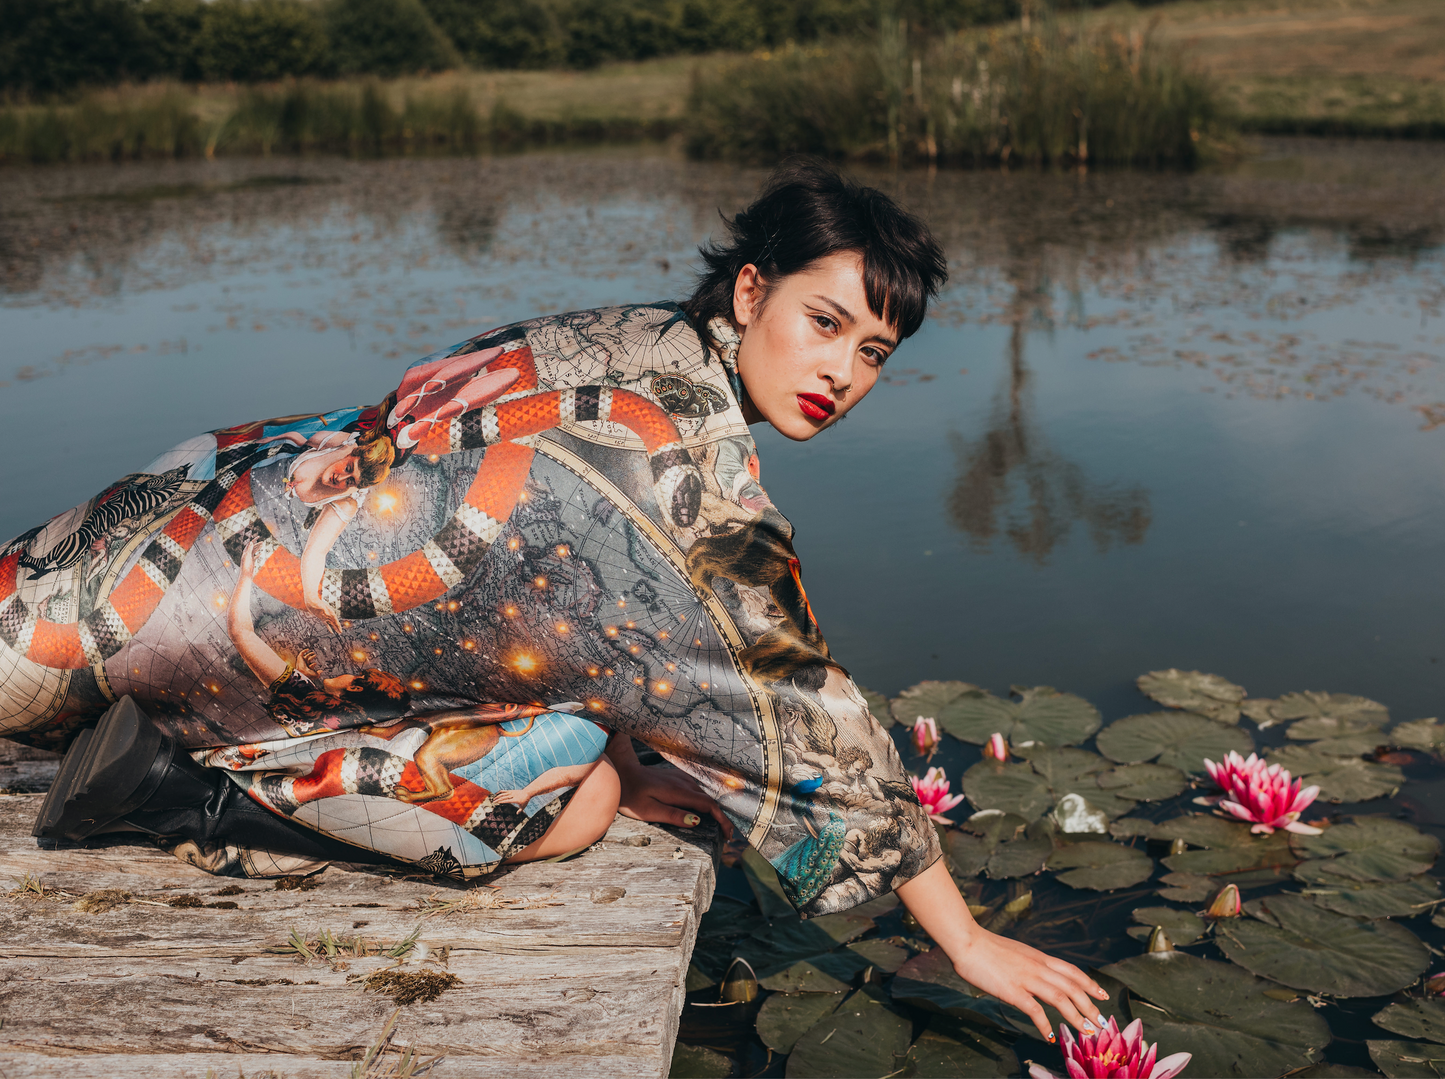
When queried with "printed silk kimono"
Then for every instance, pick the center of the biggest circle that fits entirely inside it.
(549, 532)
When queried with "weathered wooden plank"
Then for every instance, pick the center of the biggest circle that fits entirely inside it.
(592, 982)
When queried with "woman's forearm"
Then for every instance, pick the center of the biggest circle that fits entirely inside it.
(934, 900)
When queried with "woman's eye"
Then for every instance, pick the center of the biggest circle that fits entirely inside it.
(825, 323)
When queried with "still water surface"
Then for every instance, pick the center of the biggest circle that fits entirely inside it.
(1155, 421)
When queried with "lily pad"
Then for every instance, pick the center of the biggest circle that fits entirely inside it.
(1143, 782)
(1349, 745)
(864, 1036)
(878, 706)
(880, 954)
(1221, 1014)
(1407, 1060)
(1101, 867)
(804, 977)
(926, 699)
(1130, 827)
(1005, 785)
(1296, 943)
(949, 1048)
(1392, 899)
(1230, 846)
(1207, 694)
(1341, 706)
(779, 945)
(1041, 715)
(784, 1017)
(1426, 734)
(1001, 844)
(1424, 1019)
(1258, 709)
(1369, 849)
(1187, 887)
(1317, 727)
(1177, 739)
(1340, 778)
(1183, 926)
(698, 1062)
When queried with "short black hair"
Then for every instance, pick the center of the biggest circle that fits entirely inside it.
(808, 211)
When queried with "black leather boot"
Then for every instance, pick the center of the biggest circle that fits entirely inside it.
(128, 776)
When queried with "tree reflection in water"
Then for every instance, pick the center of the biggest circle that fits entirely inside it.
(1011, 480)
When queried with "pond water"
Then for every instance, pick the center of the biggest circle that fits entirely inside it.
(1156, 420)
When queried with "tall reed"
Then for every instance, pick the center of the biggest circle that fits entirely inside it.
(1049, 95)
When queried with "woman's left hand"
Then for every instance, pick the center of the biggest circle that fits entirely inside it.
(1025, 977)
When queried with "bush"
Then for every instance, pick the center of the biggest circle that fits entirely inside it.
(260, 40)
(386, 37)
(50, 46)
(1047, 97)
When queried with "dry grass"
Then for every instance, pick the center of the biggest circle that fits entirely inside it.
(480, 899)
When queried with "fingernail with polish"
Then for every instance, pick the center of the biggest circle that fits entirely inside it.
(692, 820)
(1052, 1038)
(1102, 1020)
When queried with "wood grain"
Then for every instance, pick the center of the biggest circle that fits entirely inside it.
(574, 976)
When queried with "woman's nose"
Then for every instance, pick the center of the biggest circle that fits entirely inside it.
(837, 370)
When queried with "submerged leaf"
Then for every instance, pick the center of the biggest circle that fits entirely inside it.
(1221, 1015)
(1393, 899)
(865, 1036)
(1368, 849)
(1408, 1060)
(1207, 694)
(1177, 739)
(1183, 926)
(1308, 948)
(698, 1062)
(1041, 715)
(784, 1018)
(1100, 866)
(880, 954)
(804, 977)
(1423, 1019)
(926, 699)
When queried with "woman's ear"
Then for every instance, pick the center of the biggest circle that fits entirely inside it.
(747, 295)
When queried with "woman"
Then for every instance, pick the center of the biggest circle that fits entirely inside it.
(592, 542)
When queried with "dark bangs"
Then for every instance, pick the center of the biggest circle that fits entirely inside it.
(807, 212)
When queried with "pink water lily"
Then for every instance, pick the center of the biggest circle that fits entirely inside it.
(1112, 1054)
(925, 736)
(1261, 794)
(932, 791)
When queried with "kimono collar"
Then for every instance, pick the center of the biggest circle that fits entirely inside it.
(725, 340)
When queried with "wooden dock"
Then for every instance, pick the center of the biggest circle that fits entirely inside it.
(123, 961)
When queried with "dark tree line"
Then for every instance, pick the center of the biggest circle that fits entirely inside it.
(53, 46)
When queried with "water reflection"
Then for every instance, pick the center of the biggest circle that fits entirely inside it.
(1011, 479)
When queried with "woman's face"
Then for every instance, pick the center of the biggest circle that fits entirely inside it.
(813, 350)
(341, 471)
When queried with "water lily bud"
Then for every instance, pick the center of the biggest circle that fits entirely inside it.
(1226, 904)
(1178, 847)
(1159, 940)
(739, 983)
(925, 735)
(997, 748)
(1435, 985)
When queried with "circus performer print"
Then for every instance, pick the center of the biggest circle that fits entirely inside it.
(579, 554)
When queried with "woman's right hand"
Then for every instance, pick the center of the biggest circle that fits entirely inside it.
(248, 561)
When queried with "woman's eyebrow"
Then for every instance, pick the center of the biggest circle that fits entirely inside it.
(847, 316)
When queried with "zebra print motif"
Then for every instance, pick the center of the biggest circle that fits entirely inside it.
(130, 498)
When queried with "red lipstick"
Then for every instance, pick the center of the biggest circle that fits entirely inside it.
(815, 406)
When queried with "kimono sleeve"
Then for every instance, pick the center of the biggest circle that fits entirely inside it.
(844, 825)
